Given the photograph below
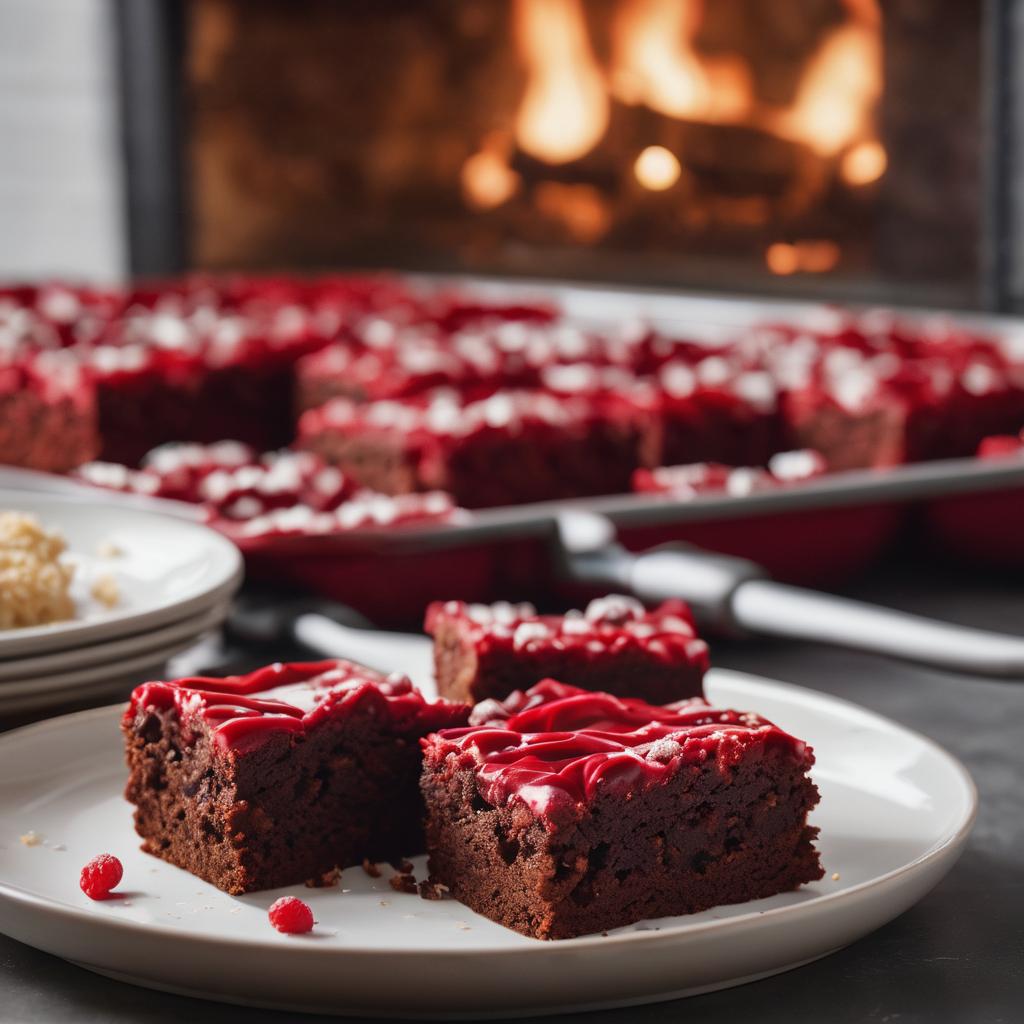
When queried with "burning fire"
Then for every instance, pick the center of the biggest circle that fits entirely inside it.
(840, 85)
(564, 111)
(653, 61)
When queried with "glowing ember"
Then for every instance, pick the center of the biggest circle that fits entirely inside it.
(487, 179)
(864, 163)
(583, 210)
(808, 256)
(564, 111)
(782, 259)
(656, 168)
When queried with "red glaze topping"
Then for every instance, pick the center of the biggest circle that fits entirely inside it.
(1001, 446)
(609, 625)
(555, 748)
(239, 712)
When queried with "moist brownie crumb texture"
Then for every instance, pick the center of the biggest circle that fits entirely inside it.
(270, 779)
(486, 652)
(573, 812)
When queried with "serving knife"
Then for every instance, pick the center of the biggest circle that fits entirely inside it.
(736, 596)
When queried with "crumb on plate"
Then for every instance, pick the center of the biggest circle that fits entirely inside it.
(106, 590)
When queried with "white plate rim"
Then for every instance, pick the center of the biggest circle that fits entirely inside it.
(73, 679)
(946, 846)
(23, 641)
(16, 671)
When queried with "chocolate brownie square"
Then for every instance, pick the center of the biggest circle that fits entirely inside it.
(258, 781)
(512, 447)
(488, 651)
(564, 812)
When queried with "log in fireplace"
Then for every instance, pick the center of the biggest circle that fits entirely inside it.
(859, 149)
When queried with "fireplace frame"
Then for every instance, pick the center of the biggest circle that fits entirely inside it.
(152, 39)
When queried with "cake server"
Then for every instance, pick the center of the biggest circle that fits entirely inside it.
(733, 595)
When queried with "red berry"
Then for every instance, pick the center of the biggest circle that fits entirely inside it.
(100, 875)
(291, 916)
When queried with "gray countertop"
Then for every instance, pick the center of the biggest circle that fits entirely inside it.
(956, 956)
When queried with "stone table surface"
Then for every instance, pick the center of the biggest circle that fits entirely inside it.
(956, 956)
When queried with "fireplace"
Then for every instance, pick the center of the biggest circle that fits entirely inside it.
(839, 148)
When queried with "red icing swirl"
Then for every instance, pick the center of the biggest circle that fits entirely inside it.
(239, 712)
(556, 747)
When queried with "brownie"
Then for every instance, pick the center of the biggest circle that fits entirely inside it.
(277, 777)
(513, 447)
(246, 495)
(717, 409)
(564, 812)
(681, 482)
(47, 413)
(489, 651)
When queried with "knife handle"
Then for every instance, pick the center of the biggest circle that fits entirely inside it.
(776, 609)
(733, 595)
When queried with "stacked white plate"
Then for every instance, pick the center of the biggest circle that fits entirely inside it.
(173, 578)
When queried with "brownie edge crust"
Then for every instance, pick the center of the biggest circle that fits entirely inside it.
(725, 827)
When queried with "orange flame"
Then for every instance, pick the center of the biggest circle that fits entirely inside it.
(564, 111)
(840, 85)
(654, 62)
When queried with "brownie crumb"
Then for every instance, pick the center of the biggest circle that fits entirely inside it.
(371, 869)
(431, 890)
(327, 880)
(403, 866)
(402, 883)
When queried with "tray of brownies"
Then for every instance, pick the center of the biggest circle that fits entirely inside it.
(335, 428)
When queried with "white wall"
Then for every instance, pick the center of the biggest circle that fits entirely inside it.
(60, 161)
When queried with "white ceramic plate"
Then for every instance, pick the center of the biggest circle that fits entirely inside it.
(114, 683)
(20, 670)
(113, 680)
(167, 569)
(895, 813)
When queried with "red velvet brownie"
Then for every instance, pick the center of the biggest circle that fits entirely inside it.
(516, 446)
(563, 812)
(258, 781)
(246, 495)
(681, 482)
(47, 413)
(717, 408)
(488, 651)
(379, 360)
